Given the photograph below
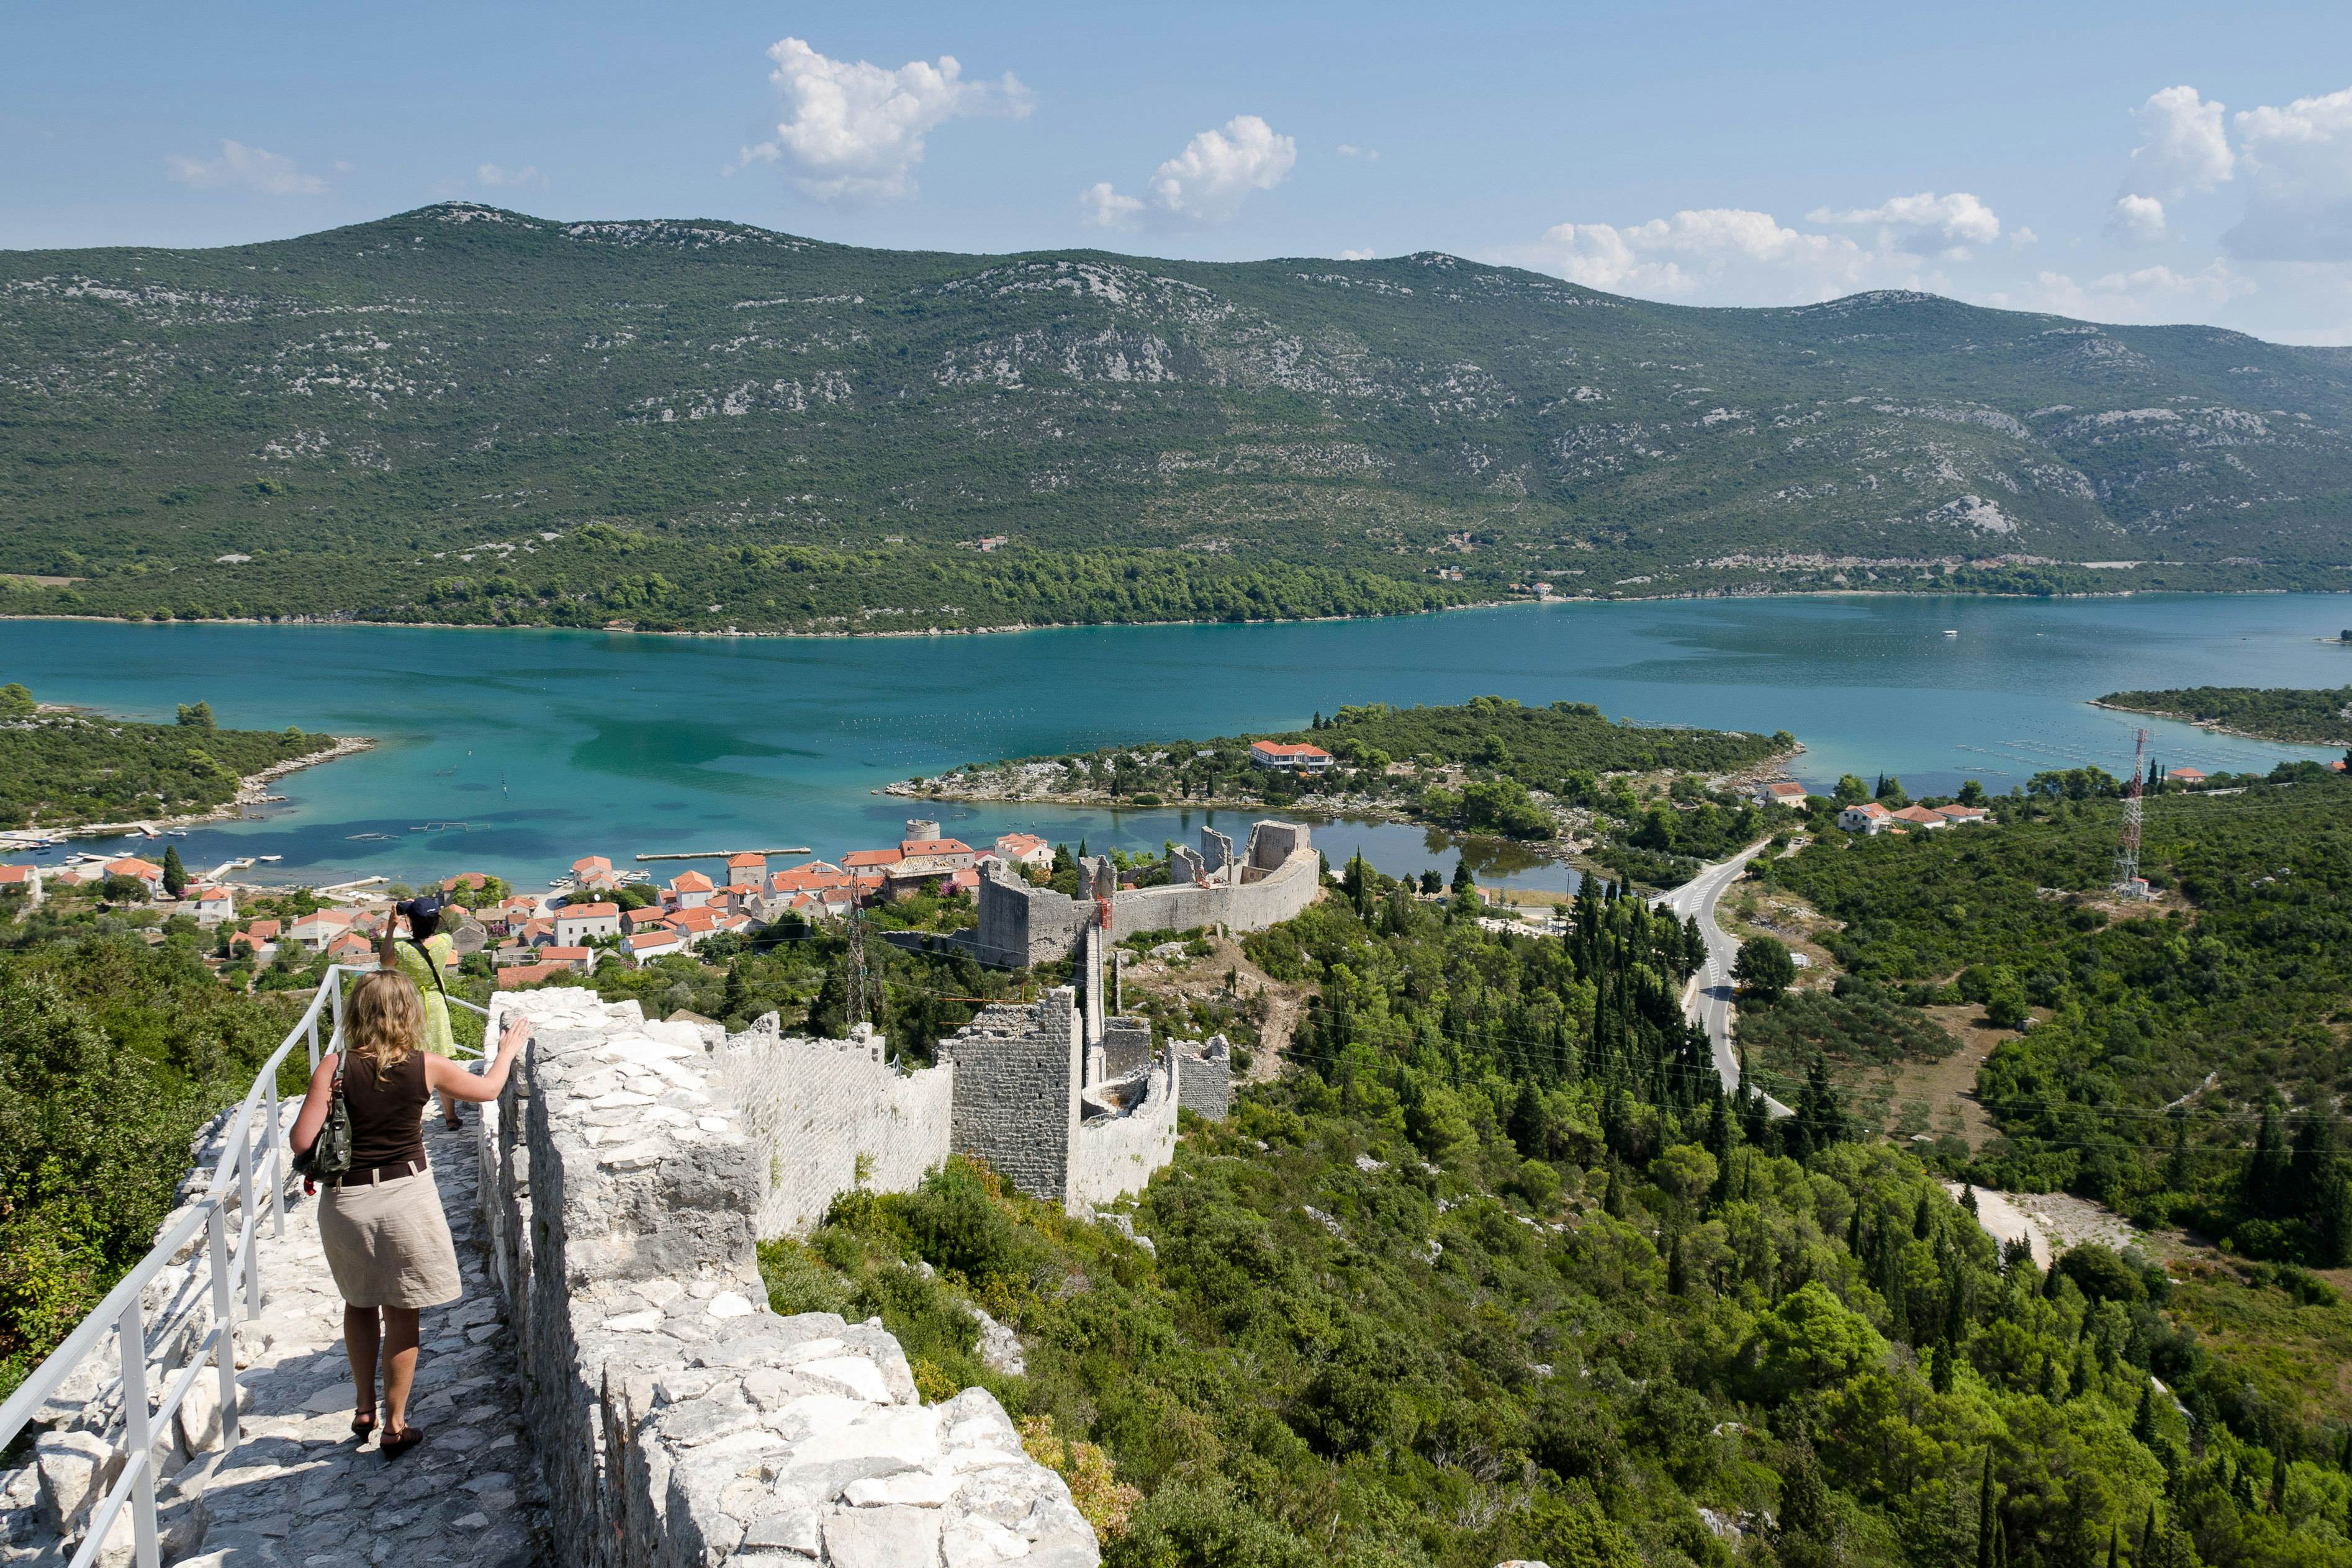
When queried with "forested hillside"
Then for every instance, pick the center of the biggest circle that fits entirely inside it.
(461, 413)
(2188, 1060)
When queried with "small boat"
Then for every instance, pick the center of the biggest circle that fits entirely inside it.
(1951, 631)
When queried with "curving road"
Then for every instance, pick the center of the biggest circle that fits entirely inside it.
(1707, 1000)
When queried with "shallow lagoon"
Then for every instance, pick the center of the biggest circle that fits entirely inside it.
(531, 748)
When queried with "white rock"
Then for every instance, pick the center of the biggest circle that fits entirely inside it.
(851, 1375)
(915, 1489)
(730, 1304)
(635, 1322)
(881, 1537)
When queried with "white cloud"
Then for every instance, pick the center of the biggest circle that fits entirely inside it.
(251, 168)
(1364, 255)
(1206, 182)
(1726, 255)
(2150, 293)
(495, 176)
(1349, 150)
(1106, 208)
(2137, 220)
(1958, 218)
(2300, 160)
(2183, 147)
(2021, 236)
(856, 131)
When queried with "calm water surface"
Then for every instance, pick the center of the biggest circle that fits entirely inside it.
(543, 746)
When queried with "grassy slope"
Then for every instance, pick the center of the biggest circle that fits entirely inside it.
(386, 419)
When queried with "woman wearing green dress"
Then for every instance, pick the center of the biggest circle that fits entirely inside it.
(426, 954)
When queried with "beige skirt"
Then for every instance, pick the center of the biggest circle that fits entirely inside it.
(388, 1245)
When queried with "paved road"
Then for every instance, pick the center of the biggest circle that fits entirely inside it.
(1708, 1000)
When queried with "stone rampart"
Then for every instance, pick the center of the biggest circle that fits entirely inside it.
(1021, 925)
(1114, 1155)
(676, 1420)
(824, 1116)
(1017, 1073)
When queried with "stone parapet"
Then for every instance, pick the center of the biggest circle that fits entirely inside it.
(677, 1420)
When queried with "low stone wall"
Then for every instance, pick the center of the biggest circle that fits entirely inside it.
(1113, 1157)
(676, 1420)
(824, 1116)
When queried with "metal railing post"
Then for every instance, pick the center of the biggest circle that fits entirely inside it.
(248, 1226)
(131, 1336)
(313, 1031)
(276, 1165)
(224, 1319)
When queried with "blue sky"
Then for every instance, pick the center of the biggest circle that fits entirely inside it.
(2133, 164)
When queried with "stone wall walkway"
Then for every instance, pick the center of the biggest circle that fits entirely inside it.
(299, 1492)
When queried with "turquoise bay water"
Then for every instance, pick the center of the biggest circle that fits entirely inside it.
(544, 746)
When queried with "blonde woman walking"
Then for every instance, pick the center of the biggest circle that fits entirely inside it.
(386, 1240)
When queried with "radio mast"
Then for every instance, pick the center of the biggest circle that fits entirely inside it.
(2129, 883)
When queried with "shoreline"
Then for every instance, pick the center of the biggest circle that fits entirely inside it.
(251, 790)
(1017, 626)
(2218, 728)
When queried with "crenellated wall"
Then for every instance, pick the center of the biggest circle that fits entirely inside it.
(677, 1421)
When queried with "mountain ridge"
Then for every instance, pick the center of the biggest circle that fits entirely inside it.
(419, 418)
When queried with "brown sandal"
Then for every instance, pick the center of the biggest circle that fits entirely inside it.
(396, 1443)
(362, 1426)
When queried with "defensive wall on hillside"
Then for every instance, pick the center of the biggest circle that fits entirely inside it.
(1276, 878)
(676, 1420)
(826, 1115)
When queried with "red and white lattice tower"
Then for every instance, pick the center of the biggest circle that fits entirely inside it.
(2129, 883)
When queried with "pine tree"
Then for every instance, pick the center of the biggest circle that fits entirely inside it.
(1968, 1199)
(1677, 1275)
(1923, 1218)
(175, 874)
(1940, 1374)
(2278, 1481)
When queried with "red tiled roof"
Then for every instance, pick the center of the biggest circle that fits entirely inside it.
(515, 976)
(263, 931)
(562, 954)
(694, 921)
(13, 874)
(1286, 749)
(910, 846)
(589, 913)
(747, 859)
(690, 882)
(858, 858)
(132, 865)
(591, 863)
(661, 937)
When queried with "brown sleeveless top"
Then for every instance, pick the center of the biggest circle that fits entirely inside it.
(387, 1113)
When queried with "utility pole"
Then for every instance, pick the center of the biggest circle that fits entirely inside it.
(2129, 883)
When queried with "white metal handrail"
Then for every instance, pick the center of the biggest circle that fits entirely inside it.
(235, 1263)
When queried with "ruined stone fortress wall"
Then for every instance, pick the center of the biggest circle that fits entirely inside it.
(1115, 1155)
(676, 1420)
(1273, 879)
(1018, 1068)
(826, 1115)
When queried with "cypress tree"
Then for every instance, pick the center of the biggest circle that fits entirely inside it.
(2278, 1480)
(1677, 1277)
(2144, 1426)
(2114, 1543)
(1988, 1519)
(1968, 1199)
(175, 873)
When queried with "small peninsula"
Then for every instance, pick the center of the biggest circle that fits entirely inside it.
(63, 768)
(1652, 802)
(2322, 717)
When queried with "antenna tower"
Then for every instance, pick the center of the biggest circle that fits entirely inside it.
(2129, 884)
(857, 1013)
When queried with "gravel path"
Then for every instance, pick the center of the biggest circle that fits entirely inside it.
(297, 1492)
